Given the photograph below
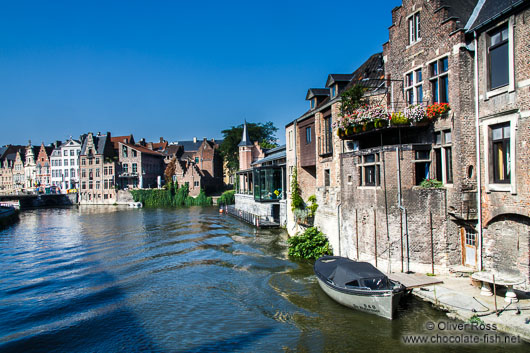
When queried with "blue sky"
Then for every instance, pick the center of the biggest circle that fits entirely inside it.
(170, 68)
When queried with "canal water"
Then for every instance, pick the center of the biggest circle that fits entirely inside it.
(108, 279)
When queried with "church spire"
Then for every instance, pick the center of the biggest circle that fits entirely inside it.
(245, 140)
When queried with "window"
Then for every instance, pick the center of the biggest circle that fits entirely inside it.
(65, 162)
(313, 103)
(290, 140)
(414, 87)
(134, 153)
(105, 184)
(83, 185)
(65, 153)
(414, 28)
(71, 152)
(125, 168)
(327, 180)
(308, 135)
(196, 160)
(196, 184)
(72, 173)
(97, 160)
(90, 174)
(66, 173)
(97, 184)
(440, 81)
(83, 161)
(334, 91)
(83, 173)
(443, 156)
(97, 173)
(124, 151)
(90, 184)
(500, 149)
(72, 161)
(422, 163)
(134, 168)
(327, 143)
(498, 62)
(369, 170)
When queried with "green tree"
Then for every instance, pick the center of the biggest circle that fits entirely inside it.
(265, 134)
(351, 99)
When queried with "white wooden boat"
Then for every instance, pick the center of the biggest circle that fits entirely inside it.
(358, 285)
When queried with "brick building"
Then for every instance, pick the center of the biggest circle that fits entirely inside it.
(315, 150)
(198, 163)
(43, 174)
(139, 167)
(98, 163)
(499, 33)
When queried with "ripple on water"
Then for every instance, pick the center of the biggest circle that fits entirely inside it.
(113, 279)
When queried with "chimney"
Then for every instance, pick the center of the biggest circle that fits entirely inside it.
(161, 139)
(99, 133)
(194, 139)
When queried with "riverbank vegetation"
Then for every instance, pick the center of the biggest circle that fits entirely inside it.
(170, 196)
(311, 244)
(227, 198)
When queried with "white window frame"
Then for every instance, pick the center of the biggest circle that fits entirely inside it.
(414, 86)
(414, 27)
(486, 124)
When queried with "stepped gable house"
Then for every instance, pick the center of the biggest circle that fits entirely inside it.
(98, 163)
(43, 167)
(198, 164)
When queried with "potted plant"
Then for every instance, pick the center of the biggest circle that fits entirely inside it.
(398, 118)
(437, 110)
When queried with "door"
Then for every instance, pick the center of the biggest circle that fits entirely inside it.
(469, 246)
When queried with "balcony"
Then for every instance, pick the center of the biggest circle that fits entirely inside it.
(368, 119)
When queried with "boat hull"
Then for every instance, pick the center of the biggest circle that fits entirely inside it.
(383, 303)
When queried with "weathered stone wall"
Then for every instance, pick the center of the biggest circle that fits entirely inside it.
(263, 209)
(364, 212)
(506, 207)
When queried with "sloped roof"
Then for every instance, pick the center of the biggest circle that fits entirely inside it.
(459, 10)
(123, 139)
(272, 155)
(334, 78)
(372, 69)
(99, 143)
(488, 11)
(143, 149)
(317, 92)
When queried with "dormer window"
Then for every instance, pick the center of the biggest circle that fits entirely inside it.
(414, 28)
(313, 103)
(334, 90)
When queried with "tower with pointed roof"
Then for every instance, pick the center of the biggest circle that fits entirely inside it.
(245, 149)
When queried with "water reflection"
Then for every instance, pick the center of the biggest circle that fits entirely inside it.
(188, 280)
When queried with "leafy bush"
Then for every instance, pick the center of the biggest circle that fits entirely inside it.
(227, 198)
(296, 198)
(311, 244)
(173, 196)
(431, 183)
(312, 207)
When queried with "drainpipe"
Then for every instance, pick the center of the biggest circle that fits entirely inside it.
(477, 147)
(400, 206)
